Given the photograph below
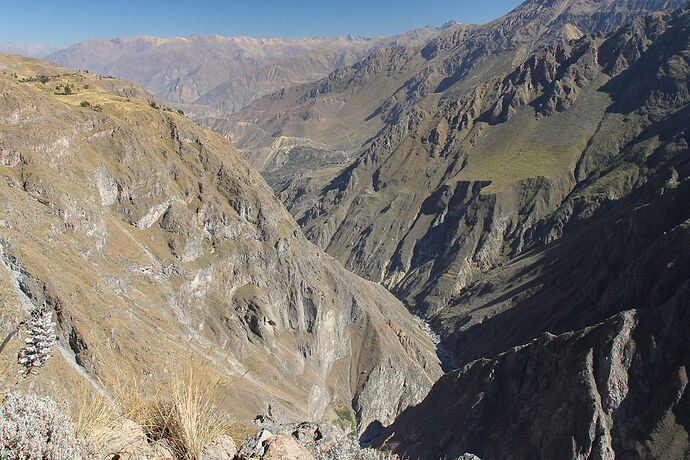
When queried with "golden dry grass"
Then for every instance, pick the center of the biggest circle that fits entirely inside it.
(239, 431)
(94, 414)
(182, 411)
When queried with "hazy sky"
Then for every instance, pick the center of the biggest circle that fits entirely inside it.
(65, 22)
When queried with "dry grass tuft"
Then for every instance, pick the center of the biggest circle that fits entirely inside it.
(94, 414)
(182, 411)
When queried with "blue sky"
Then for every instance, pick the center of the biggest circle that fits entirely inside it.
(65, 22)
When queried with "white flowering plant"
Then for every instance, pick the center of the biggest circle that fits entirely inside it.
(38, 343)
(33, 427)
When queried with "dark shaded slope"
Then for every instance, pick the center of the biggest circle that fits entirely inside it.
(634, 253)
(614, 389)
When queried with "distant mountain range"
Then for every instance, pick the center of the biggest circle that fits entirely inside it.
(352, 105)
(225, 73)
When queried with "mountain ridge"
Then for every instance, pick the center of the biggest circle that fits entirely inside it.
(376, 170)
(345, 113)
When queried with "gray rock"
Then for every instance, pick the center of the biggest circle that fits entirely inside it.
(320, 440)
(255, 447)
(285, 446)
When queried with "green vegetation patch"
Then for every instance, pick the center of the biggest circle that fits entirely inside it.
(345, 420)
(526, 147)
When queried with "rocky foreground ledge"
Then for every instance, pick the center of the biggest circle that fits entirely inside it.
(301, 441)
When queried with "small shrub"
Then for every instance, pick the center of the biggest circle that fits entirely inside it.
(180, 111)
(241, 430)
(154, 105)
(85, 104)
(68, 89)
(33, 428)
(345, 420)
(194, 419)
(98, 108)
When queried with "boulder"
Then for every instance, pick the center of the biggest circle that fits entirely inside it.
(126, 440)
(222, 448)
(284, 447)
(255, 446)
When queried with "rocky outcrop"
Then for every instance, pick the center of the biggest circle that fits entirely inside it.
(219, 449)
(267, 446)
(125, 440)
(614, 389)
(155, 242)
(318, 441)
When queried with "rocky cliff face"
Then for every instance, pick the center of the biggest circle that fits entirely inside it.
(606, 271)
(154, 242)
(590, 256)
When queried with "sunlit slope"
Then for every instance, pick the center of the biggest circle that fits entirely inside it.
(154, 242)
